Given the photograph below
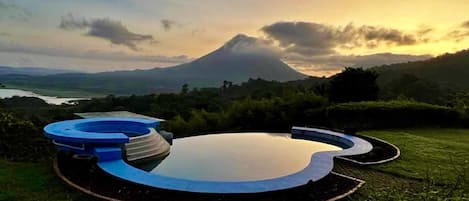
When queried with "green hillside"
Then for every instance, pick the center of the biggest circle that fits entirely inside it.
(448, 70)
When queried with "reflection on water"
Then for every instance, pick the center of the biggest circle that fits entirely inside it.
(238, 156)
(147, 165)
(8, 93)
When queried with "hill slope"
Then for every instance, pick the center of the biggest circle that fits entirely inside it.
(448, 70)
(5, 70)
(226, 63)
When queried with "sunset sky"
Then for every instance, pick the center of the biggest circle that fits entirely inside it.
(317, 37)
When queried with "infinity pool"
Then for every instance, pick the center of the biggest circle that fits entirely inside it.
(217, 163)
(238, 156)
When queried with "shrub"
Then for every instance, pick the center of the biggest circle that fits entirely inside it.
(272, 114)
(21, 140)
(390, 114)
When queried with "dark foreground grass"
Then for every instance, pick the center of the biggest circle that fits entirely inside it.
(33, 181)
(433, 166)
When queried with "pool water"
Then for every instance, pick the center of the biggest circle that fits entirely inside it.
(238, 156)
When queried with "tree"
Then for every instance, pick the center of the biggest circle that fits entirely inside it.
(185, 89)
(353, 84)
(411, 86)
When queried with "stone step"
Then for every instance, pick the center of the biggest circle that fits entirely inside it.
(142, 147)
(142, 141)
(137, 139)
(146, 146)
(145, 154)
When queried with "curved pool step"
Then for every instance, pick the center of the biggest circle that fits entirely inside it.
(146, 146)
(142, 142)
(143, 147)
(145, 137)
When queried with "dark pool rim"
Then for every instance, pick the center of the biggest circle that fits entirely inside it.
(110, 160)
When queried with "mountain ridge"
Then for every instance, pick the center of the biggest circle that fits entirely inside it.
(235, 61)
(33, 71)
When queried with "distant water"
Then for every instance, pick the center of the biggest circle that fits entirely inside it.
(8, 93)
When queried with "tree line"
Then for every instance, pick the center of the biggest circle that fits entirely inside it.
(350, 99)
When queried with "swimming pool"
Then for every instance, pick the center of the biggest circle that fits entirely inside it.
(248, 162)
(238, 156)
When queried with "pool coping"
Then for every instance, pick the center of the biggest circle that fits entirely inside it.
(68, 130)
(398, 154)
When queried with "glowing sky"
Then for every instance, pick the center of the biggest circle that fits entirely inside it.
(315, 36)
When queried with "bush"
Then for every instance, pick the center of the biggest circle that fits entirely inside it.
(267, 114)
(390, 114)
(21, 140)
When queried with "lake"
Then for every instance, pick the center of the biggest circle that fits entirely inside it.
(8, 93)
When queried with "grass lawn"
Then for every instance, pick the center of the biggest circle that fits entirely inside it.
(33, 181)
(433, 166)
(441, 154)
